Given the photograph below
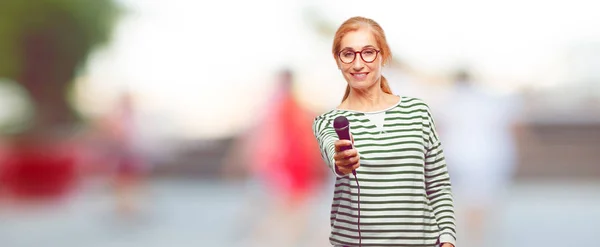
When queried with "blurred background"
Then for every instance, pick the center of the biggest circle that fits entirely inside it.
(188, 123)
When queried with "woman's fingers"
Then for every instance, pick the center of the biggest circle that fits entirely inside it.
(339, 144)
(343, 170)
(348, 169)
(346, 160)
(345, 154)
(346, 165)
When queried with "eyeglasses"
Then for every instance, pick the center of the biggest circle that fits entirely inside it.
(368, 55)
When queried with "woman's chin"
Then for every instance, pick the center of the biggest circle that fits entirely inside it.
(361, 85)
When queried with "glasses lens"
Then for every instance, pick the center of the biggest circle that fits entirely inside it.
(369, 55)
(347, 56)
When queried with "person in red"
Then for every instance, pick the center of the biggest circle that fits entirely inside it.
(287, 157)
(282, 158)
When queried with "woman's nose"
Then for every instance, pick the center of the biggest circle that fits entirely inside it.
(357, 64)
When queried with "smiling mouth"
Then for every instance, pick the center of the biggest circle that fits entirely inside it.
(359, 76)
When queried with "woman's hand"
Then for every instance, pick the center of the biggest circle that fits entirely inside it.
(345, 161)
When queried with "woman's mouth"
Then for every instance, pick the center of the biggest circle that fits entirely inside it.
(359, 76)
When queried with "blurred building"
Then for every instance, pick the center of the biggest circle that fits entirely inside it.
(562, 138)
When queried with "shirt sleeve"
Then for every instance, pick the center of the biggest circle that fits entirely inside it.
(326, 137)
(437, 183)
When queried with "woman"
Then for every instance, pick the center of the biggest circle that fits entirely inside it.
(401, 193)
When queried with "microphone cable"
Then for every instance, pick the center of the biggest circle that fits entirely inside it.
(358, 187)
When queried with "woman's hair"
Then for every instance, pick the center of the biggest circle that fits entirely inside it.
(354, 24)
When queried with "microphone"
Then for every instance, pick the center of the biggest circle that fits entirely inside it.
(342, 128)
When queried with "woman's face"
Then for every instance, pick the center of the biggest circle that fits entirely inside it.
(360, 73)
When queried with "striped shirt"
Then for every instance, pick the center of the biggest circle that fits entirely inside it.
(405, 191)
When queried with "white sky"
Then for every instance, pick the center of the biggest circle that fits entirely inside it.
(205, 67)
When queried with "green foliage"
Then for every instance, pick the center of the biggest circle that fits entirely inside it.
(77, 27)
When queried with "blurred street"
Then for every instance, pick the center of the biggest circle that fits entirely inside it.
(202, 213)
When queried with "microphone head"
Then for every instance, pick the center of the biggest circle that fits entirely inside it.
(340, 122)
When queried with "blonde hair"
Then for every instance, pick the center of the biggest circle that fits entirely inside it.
(353, 24)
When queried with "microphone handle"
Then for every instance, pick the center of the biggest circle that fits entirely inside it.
(345, 148)
(344, 134)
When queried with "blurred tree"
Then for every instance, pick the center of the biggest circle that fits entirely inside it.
(43, 44)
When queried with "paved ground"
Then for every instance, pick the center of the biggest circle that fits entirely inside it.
(207, 213)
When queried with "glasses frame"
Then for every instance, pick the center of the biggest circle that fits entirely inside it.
(361, 55)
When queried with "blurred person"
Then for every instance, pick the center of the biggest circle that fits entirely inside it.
(129, 166)
(476, 125)
(400, 194)
(282, 161)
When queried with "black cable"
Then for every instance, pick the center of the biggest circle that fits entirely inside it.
(358, 186)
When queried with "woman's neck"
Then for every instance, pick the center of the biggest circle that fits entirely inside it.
(368, 100)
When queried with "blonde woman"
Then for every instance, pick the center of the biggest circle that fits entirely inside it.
(401, 192)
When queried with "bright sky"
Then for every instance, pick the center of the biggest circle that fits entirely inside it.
(204, 68)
